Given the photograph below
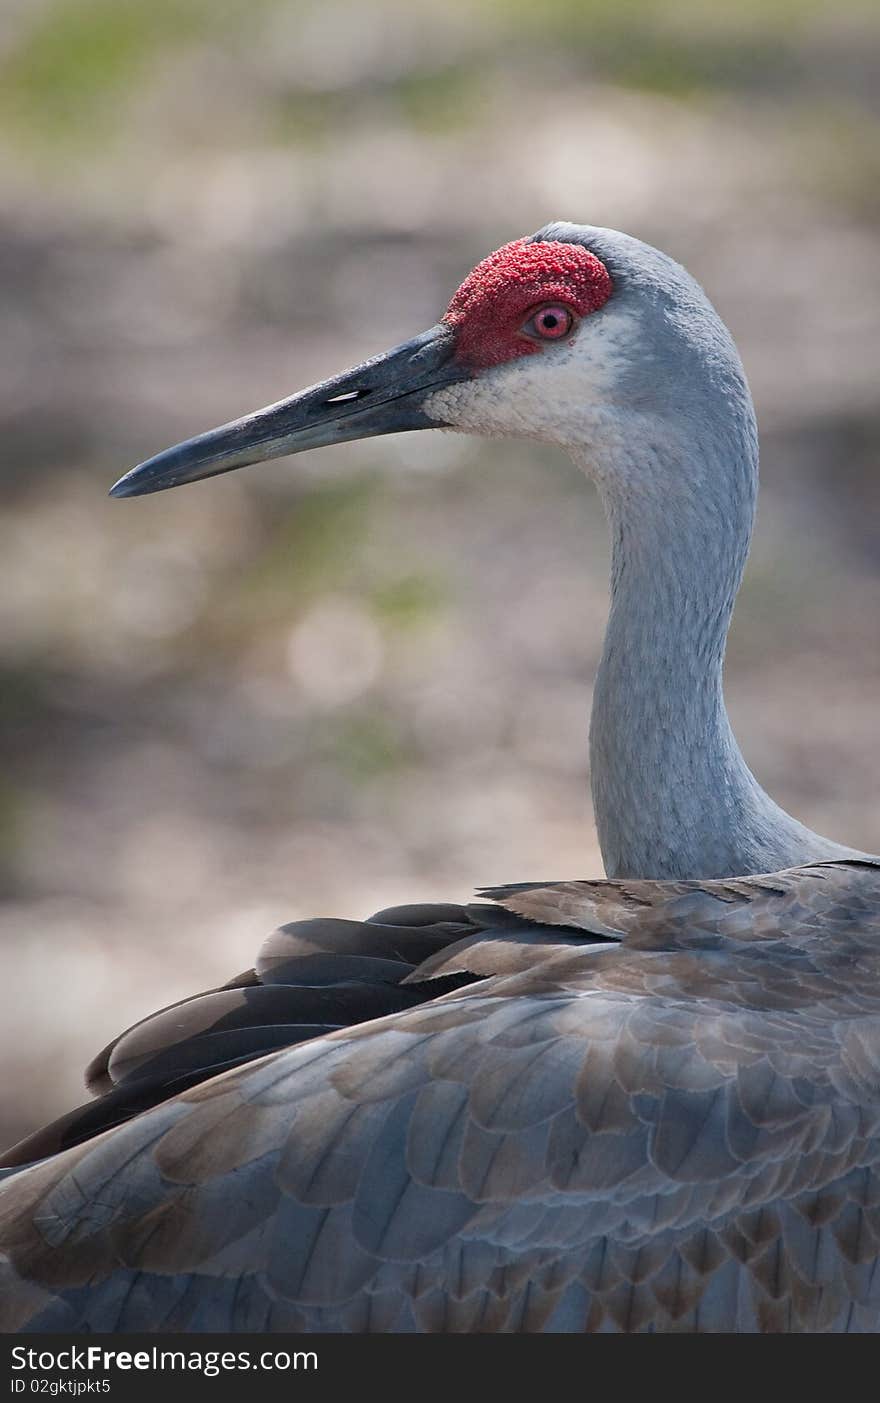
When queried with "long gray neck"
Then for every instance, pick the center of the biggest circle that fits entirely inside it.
(673, 795)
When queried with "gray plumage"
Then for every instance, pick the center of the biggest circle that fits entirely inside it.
(649, 1103)
(678, 476)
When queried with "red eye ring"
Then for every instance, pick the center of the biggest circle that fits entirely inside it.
(549, 323)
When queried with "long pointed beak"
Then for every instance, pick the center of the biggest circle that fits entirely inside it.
(382, 396)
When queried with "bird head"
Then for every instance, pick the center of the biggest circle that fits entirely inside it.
(565, 337)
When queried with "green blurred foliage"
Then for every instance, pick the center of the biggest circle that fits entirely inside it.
(312, 545)
(73, 62)
(72, 67)
(409, 601)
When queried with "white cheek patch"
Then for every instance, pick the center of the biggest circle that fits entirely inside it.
(558, 394)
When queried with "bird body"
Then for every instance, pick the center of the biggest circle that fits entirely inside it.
(649, 1103)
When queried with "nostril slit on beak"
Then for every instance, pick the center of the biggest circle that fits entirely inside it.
(346, 398)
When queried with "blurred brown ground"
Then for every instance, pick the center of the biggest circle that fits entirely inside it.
(326, 685)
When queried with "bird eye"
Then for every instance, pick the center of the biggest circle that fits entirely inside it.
(549, 323)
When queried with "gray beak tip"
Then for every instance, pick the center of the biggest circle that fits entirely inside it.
(124, 487)
(132, 486)
(383, 395)
(168, 469)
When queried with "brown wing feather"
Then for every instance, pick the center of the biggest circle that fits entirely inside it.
(310, 977)
(676, 1132)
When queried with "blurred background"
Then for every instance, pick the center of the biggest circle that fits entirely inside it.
(326, 685)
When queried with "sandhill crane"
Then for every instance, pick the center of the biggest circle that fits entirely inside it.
(646, 1103)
